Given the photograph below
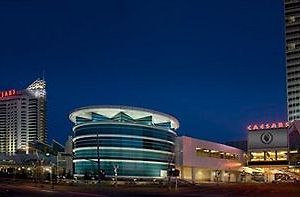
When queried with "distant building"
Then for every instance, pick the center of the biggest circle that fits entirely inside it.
(46, 149)
(292, 39)
(69, 145)
(25, 163)
(200, 160)
(65, 159)
(294, 145)
(23, 117)
(57, 155)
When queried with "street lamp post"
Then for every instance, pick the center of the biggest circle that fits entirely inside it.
(51, 177)
(98, 158)
(52, 168)
(35, 173)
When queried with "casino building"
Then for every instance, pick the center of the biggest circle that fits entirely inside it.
(22, 117)
(268, 144)
(130, 142)
(273, 149)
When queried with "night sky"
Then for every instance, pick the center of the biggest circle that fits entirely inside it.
(215, 65)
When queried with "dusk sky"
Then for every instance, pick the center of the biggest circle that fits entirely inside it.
(217, 66)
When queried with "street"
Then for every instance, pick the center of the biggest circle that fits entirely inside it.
(25, 190)
(207, 189)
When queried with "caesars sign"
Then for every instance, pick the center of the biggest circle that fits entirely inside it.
(7, 93)
(268, 136)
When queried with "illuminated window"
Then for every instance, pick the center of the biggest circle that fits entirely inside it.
(281, 155)
(270, 156)
(291, 19)
(291, 46)
(215, 154)
(201, 152)
(260, 156)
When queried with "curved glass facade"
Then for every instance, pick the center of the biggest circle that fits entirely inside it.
(139, 141)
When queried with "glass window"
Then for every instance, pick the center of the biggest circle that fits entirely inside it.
(281, 155)
(257, 156)
(270, 156)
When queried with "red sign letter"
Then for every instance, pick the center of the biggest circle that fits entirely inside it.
(273, 126)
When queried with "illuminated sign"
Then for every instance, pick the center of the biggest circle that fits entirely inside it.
(266, 138)
(8, 93)
(278, 125)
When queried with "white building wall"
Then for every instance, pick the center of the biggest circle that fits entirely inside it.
(198, 168)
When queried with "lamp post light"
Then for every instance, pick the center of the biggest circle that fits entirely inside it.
(52, 165)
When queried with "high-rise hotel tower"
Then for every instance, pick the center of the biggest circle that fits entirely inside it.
(292, 36)
(22, 117)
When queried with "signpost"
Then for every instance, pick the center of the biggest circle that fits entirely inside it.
(116, 174)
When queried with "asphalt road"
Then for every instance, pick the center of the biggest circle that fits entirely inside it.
(207, 190)
(31, 191)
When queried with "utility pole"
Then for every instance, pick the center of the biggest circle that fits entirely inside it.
(51, 176)
(98, 157)
(176, 183)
